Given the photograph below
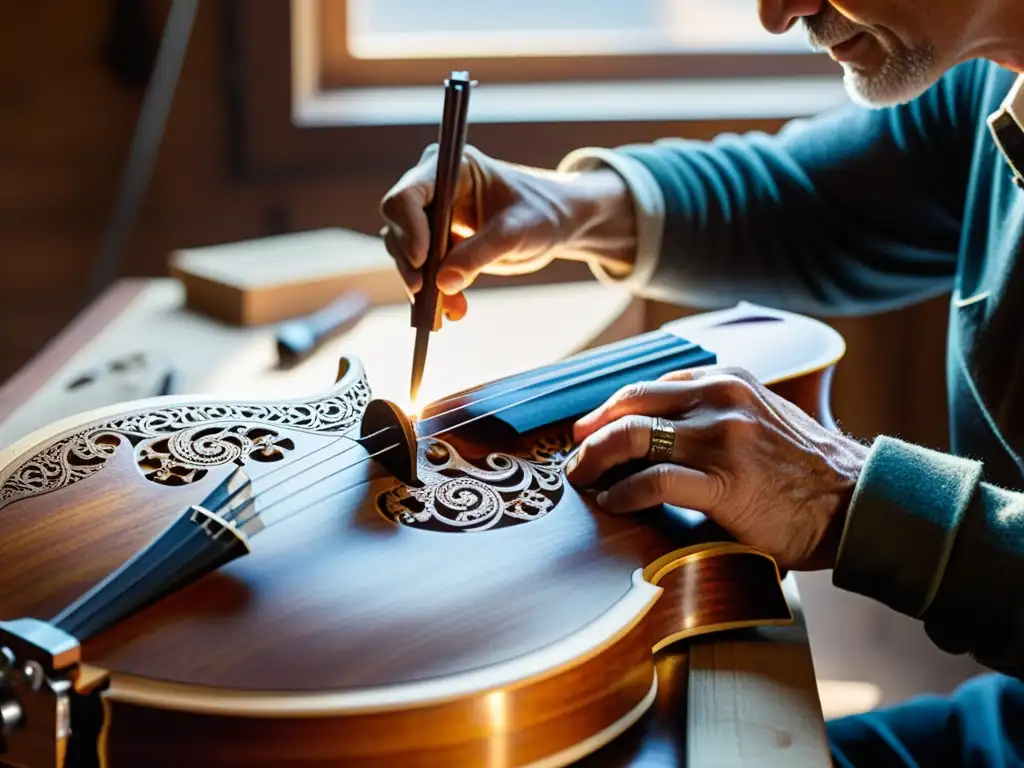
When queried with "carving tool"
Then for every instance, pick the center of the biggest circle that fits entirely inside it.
(427, 304)
(297, 339)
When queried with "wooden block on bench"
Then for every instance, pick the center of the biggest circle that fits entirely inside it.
(266, 280)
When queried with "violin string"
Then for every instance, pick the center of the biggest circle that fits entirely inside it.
(259, 512)
(527, 381)
(251, 501)
(339, 437)
(241, 521)
(275, 470)
(562, 373)
(304, 508)
(240, 489)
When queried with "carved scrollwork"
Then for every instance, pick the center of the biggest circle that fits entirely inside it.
(185, 456)
(459, 495)
(179, 444)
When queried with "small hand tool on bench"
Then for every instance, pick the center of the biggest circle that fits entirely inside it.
(299, 338)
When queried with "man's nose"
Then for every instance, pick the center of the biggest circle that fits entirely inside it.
(778, 16)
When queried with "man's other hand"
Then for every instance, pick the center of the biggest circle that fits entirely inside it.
(754, 463)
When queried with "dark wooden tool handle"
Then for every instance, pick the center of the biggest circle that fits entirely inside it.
(298, 338)
(451, 143)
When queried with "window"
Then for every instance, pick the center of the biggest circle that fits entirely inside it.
(419, 29)
(315, 88)
(409, 42)
(541, 61)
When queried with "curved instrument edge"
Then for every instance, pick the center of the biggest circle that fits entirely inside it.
(714, 587)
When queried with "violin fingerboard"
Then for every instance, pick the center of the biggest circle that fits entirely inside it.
(568, 389)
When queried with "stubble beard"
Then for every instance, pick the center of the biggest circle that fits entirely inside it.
(905, 74)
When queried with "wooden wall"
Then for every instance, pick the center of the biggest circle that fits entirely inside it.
(65, 127)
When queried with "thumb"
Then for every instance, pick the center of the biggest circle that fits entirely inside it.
(511, 232)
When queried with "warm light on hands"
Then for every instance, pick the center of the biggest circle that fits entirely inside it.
(507, 219)
(753, 462)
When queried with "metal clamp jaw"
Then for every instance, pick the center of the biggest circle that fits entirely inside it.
(38, 666)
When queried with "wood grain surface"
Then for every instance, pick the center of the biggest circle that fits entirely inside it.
(439, 610)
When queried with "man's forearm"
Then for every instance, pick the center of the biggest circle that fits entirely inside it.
(830, 215)
(605, 229)
(635, 204)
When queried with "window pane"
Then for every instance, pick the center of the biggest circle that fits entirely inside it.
(441, 28)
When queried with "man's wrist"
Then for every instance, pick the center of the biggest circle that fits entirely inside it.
(632, 255)
(602, 220)
(850, 463)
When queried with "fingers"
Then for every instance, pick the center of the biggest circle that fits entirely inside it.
(686, 374)
(455, 307)
(738, 386)
(407, 234)
(515, 229)
(503, 235)
(648, 398)
(403, 210)
(611, 445)
(410, 276)
(675, 394)
(661, 484)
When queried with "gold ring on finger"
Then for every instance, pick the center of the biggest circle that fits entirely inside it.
(663, 440)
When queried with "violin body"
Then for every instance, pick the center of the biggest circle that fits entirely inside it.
(487, 615)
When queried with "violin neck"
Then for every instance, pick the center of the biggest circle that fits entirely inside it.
(197, 543)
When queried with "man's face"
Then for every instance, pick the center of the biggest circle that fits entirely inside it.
(891, 50)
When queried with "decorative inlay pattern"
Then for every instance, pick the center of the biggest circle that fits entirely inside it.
(179, 444)
(458, 495)
(185, 456)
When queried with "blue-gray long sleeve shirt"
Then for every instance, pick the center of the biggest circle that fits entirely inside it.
(856, 211)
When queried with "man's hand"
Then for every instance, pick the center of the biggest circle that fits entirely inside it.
(508, 220)
(754, 463)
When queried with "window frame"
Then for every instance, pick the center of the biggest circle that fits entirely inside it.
(270, 85)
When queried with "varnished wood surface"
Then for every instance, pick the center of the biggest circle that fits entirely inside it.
(506, 727)
(353, 598)
(224, 602)
(717, 591)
